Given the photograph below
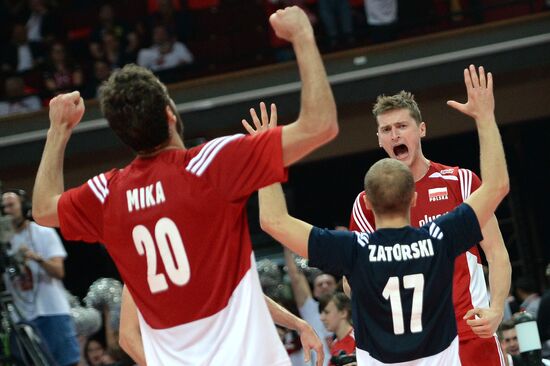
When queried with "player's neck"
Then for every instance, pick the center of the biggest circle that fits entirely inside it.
(420, 167)
(391, 221)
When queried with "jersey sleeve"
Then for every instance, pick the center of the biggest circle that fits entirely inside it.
(239, 165)
(332, 251)
(360, 220)
(80, 210)
(459, 229)
(469, 182)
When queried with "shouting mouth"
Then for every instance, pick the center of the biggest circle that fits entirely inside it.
(401, 152)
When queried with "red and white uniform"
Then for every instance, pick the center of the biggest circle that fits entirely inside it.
(175, 225)
(346, 344)
(440, 190)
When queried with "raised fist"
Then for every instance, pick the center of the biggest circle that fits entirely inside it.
(66, 110)
(291, 24)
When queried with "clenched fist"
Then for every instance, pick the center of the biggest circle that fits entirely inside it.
(291, 23)
(66, 110)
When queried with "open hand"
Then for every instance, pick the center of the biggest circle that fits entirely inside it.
(486, 322)
(266, 121)
(481, 101)
(310, 341)
(66, 110)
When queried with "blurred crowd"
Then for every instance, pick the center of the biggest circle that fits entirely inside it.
(53, 46)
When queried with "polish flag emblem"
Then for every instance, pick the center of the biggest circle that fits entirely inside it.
(438, 194)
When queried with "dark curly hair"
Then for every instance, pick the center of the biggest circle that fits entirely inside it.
(134, 102)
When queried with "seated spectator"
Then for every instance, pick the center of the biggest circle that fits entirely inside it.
(174, 19)
(43, 25)
(165, 53)
(107, 23)
(508, 338)
(526, 292)
(337, 21)
(336, 316)
(101, 71)
(20, 55)
(111, 51)
(16, 100)
(61, 74)
(382, 19)
(94, 352)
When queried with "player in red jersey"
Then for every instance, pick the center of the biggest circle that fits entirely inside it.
(174, 219)
(441, 188)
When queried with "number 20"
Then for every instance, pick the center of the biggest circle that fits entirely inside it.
(165, 230)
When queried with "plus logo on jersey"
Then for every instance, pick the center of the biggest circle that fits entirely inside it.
(438, 194)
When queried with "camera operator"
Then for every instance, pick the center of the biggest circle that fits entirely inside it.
(37, 290)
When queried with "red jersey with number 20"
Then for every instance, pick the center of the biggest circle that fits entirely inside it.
(175, 225)
(440, 190)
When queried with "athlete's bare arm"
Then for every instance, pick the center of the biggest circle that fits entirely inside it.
(129, 332)
(66, 111)
(274, 217)
(308, 337)
(494, 187)
(317, 122)
(494, 174)
(500, 273)
(298, 281)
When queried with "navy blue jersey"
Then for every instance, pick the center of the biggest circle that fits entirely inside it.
(401, 280)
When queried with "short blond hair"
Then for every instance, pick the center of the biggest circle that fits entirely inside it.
(389, 186)
(401, 100)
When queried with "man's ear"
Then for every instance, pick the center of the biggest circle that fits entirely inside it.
(367, 202)
(422, 127)
(170, 116)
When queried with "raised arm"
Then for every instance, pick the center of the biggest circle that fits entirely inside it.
(310, 340)
(66, 110)
(494, 174)
(298, 281)
(275, 220)
(317, 122)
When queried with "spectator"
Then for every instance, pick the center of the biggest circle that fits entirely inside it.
(101, 71)
(17, 101)
(336, 316)
(165, 53)
(508, 338)
(61, 74)
(94, 352)
(324, 284)
(38, 292)
(526, 291)
(20, 55)
(337, 21)
(175, 20)
(111, 50)
(107, 23)
(381, 19)
(43, 25)
(543, 319)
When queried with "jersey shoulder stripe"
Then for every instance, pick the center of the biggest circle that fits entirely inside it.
(465, 176)
(98, 185)
(362, 238)
(435, 231)
(359, 215)
(199, 163)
